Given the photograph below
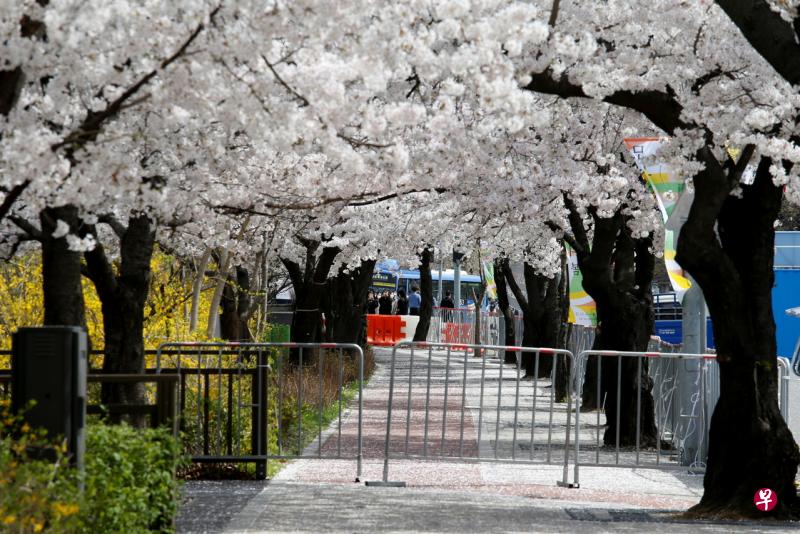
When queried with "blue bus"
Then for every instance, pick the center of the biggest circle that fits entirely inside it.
(389, 278)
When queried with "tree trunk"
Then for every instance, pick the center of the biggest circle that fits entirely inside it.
(197, 288)
(123, 297)
(625, 326)
(562, 382)
(309, 285)
(235, 304)
(617, 271)
(61, 271)
(541, 316)
(426, 292)
(346, 302)
(223, 265)
(750, 446)
(478, 298)
(509, 333)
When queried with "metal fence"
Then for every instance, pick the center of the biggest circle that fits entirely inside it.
(256, 402)
(446, 404)
(681, 405)
(457, 325)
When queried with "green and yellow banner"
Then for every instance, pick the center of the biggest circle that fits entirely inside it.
(582, 308)
(669, 190)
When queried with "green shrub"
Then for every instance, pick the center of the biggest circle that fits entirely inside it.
(130, 480)
(130, 483)
(34, 494)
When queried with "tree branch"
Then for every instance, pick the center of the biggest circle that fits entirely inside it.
(554, 14)
(580, 240)
(324, 264)
(777, 40)
(522, 299)
(661, 108)
(10, 86)
(93, 123)
(25, 225)
(303, 101)
(645, 263)
(564, 235)
(12, 197)
(99, 269)
(118, 228)
(295, 274)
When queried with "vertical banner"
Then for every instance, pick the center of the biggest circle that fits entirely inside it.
(680, 284)
(667, 187)
(488, 274)
(673, 202)
(582, 308)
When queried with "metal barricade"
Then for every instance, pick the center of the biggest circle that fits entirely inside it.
(457, 325)
(256, 402)
(453, 397)
(784, 379)
(681, 410)
(672, 425)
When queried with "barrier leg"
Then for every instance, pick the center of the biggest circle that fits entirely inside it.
(385, 482)
(564, 482)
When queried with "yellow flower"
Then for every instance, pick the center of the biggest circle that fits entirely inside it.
(38, 527)
(9, 520)
(25, 428)
(64, 509)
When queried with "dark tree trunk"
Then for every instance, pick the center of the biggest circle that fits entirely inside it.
(61, 271)
(617, 271)
(541, 316)
(776, 39)
(478, 298)
(10, 85)
(509, 333)
(235, 304)
(563, 376)
(750, 446)
(346, 303)
(309, 288)
(123, 296)
(426, 292)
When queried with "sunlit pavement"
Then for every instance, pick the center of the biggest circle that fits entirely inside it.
(310, 507)
(321, 496)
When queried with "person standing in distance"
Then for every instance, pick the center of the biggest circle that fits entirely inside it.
(414, 301)
(402, 302)
(372, 303)
(385, 304)
(447, 301)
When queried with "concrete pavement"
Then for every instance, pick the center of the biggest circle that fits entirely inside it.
(455, 496)
(315, 507)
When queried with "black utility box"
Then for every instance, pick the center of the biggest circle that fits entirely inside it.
(49, 366)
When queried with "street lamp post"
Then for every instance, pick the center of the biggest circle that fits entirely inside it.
(457, 278)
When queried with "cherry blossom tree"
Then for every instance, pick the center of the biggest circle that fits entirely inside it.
(707, 96)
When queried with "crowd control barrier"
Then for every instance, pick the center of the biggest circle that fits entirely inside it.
(462, 409)
(241, 402)
(457, 325)
(386, 330)
(784, 379)
(677, 402)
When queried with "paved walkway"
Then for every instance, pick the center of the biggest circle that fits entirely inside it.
(310, 507)
(455, 495)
